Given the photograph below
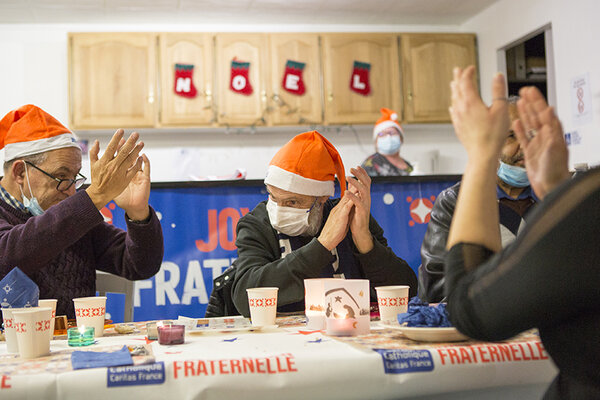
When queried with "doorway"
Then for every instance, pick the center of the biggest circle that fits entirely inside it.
(529, 61)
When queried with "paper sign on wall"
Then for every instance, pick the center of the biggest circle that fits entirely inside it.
(581, 100)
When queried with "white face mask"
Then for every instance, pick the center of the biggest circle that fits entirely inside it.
(294, 221)
(31, 204)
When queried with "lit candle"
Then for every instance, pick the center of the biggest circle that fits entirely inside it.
(342, 326)
(171, 334)
(82, 336)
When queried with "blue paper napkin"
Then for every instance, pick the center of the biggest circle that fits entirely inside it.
(98, 359)
(18, 290)
(420, 314)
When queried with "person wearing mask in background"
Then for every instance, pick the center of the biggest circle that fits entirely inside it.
(549, 277)
(389, 137)
(515, 200)
(300, 233)
(56, 234)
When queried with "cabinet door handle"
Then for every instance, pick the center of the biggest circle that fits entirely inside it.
(263, 96)
(410, 95)
(330, 97)
(151, 98)
(208, 98)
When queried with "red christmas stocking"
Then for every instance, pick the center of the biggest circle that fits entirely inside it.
(359, 81)
(240, 82)
(184, 86)
(292, 77)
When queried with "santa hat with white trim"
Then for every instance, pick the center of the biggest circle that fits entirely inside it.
(389, 118)
(307, 164)
(30, 130)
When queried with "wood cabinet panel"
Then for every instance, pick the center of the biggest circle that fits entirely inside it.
(287, 108)
(189, 49)
(113, 80)
(428, 60)
(235, 108)
(340, 53)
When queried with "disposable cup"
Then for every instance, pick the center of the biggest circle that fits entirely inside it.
(52, 304)
(263, 305)
(32, 326)
(12, 346)
(90, 311)
(392, 300)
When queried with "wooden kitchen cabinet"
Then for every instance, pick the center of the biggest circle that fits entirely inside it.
(345, 58)
(295, 67)
(112, 80)
(427, 63)
(192, 54)
(248, 54)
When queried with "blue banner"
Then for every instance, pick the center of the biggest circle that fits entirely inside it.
(199, 231)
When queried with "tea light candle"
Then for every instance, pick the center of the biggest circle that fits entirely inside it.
(342, 326)
(171, 334)
(83, 336)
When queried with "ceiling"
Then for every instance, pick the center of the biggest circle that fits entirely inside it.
(388, 12)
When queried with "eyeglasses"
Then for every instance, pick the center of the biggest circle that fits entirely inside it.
(388, 132)
(63, 184)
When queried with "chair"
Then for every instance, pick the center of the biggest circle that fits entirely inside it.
(109, 283)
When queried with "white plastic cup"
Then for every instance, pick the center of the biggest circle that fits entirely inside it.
(392, 300)
(263, 305)
(52, 304)
(32, 326)
(12, 346)
(90, 311)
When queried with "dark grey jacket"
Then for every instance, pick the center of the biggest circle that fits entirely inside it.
(260, 264)
(433, 249)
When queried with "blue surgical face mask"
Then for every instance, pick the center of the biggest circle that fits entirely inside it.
(513, 175)
(389, 144)
(31, 204)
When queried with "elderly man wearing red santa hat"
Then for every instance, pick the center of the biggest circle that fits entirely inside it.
(56, 234)
(300, 233)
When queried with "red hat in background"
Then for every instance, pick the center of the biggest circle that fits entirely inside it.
(307, 164)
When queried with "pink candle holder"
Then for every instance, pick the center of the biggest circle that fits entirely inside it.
(171, 334)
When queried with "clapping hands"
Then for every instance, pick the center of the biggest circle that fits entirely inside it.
(351, 213)
(540, 135)
(118, 175)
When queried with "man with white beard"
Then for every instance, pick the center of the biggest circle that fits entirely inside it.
(300, 233)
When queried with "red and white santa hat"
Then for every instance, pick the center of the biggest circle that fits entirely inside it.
(30, 130)
(307, 164)
(388, 118)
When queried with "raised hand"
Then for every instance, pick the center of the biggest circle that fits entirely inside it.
(359, 193)
(541, 137)
(113, 172)
(134, 199)
(481, 129)
(337, 224)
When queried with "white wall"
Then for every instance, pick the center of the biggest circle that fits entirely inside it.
(575, 31)
(33, 69)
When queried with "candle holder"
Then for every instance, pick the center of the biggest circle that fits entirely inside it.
(171, 334)
(77, 337)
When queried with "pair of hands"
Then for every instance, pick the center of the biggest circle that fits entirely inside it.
(482, 130)
(352, 212)
(118, 175)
